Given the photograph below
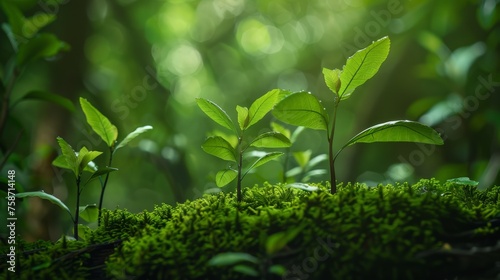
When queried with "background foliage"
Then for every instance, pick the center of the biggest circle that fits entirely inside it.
(145, 62)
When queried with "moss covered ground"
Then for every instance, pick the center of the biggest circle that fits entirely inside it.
(429, 230)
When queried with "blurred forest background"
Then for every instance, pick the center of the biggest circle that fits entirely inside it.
(145, 62)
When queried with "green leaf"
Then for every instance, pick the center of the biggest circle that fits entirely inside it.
(302, 109)
(442, 110)
(225, 177)
(397, 131)
(33, 24)
(332, 79)
(363, 65)
(219, 147)
(296, 133)
(302, 186)
(315, 172)
(271, 140)
(317, 159)
(278, 241)
(302, 157)
(99, 123)
(80, 155)
(246, 270)
(15, 16)
(281, 129)
(46, 196)
(242, 117)
(294, 172)
(84, 157)
(264, 159)
(263, 105)
(60, 161)
(69, 156)
(277, 269)
(89, 213)
(464, 181)
(133, 135)
(214, 112)
(231, 258)
(230, 137)
(101, 172)
(42, 46)
(84, 232)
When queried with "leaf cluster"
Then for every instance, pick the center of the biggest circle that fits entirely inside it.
(222, 148)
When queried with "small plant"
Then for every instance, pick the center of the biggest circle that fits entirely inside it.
(220, 147)
(77, 163)
(304, 109)
(82, 161)
(108, 133)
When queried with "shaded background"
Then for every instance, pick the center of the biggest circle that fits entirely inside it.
(145, 62)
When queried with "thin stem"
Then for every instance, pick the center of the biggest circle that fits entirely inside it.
(333, 179)
(240, 166)
(77, 212)
(103, 189)
(331, 158)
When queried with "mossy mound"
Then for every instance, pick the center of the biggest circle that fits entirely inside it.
(427, 230)
(388, 232)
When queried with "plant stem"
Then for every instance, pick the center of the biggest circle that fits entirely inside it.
(333, 179)
(77, 212)
(101, 198)
(331, 158)
(240, 166)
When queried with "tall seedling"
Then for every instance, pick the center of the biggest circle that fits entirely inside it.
(222, 148)
(304, 109)
(108, 133)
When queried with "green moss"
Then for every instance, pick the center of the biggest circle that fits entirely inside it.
(46, 260)
(386, 232)
(371, 232)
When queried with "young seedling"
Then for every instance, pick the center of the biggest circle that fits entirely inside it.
(304, 109)
(108, 133)
(222, 148)
(83, 161)
(78, 163)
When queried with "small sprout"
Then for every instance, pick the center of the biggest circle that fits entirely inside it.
(222, 147)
